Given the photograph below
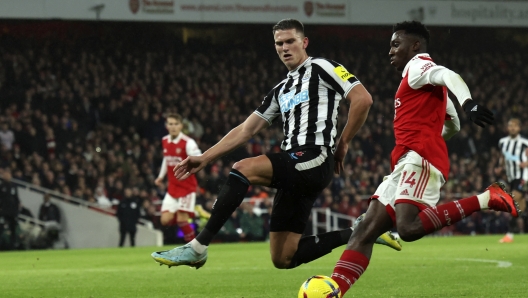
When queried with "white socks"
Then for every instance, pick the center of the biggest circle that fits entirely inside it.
(484, 200)
(198, 247)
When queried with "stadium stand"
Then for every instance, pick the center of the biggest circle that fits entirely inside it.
(84, 115)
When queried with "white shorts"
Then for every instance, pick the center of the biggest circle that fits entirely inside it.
(172, 205)
(413, 181)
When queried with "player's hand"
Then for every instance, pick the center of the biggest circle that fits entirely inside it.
(189, 166)
(158, 181)
(339, 156)
(478, 114)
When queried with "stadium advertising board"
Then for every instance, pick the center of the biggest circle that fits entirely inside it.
(374, 12)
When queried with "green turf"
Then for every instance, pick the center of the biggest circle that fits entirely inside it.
(431, 267)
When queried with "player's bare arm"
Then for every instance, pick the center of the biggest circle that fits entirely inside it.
(360, 102)
(235, 138)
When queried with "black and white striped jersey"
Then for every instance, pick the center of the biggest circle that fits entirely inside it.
(514, 150)
(308, 100)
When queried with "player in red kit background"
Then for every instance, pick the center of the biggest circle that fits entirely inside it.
(407, 198)
(179, 201)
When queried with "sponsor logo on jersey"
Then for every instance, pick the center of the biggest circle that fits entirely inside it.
(426, 67)
(341, 72)
(299, 153)
(404, 193)
(173, 161)
(292, 155)
(289, 100)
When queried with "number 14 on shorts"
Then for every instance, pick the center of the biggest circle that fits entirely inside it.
(409, 180)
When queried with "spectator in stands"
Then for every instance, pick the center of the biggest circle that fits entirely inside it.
(7, 137)
(50, 214)
(9, 206)
(48, 211)
(128, 213)
(102, 199)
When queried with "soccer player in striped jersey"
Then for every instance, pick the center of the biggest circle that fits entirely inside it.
(407, 198)
(514, 162)
(307, 100)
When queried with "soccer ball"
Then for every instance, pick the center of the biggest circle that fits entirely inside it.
(319, 286)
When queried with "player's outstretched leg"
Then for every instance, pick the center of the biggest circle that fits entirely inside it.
(194, 253)
(313, 247)
(385, 239)
(356, 257)
(413, 224)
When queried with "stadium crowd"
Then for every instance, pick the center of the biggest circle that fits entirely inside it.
(86, 118)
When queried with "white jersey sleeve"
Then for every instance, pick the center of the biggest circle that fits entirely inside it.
(336, 76)
(423, 71)
(452, 122)
(163, 169)
(270, 108)
(191, 148)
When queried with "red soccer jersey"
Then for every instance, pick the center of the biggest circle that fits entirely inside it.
(419, 114)
(174, 151)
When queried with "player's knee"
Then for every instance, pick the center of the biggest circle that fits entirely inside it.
(242, 166)
(166, 220)
(280, 262)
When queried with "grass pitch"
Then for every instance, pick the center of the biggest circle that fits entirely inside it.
(432, 267)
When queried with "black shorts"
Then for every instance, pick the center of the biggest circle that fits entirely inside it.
(299, 175)
(518, 185)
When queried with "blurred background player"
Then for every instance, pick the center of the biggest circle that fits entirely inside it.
(307, 99)
(128, 215)
(407, 198)
(179, 202)
(514, 162)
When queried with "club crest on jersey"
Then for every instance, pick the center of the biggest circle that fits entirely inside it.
(178, 150)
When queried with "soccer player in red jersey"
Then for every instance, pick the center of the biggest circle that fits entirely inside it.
(179, 201)
(407, 198)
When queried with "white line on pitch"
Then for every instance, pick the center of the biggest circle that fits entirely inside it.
(502, 264)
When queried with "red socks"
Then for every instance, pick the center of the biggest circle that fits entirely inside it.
(435, 218)
(348, 269)
(188, 231)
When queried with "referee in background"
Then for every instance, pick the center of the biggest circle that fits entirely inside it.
(514, 162)
(307, 100)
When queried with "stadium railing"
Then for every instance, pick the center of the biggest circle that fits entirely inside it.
(327, 220)
(72, 200)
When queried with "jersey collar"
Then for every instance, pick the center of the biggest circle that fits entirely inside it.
(300, 65)
(177, 139)
(423, 55)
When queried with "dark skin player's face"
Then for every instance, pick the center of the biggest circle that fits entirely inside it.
(403, 47)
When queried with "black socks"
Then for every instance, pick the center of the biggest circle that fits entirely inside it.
(316, 246)
(229, 198)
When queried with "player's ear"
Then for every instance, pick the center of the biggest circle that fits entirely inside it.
(417, 45)
(305, 42)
